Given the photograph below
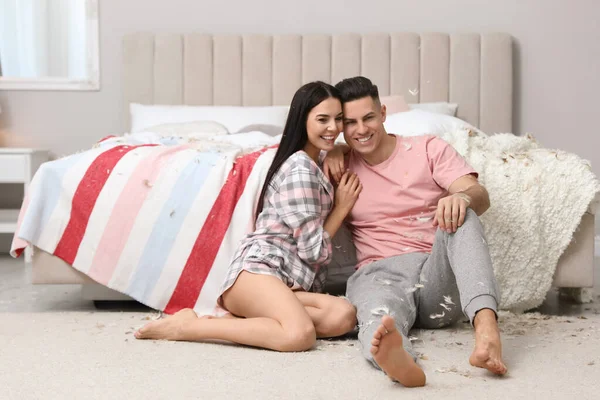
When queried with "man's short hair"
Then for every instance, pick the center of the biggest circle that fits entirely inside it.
(356, 88)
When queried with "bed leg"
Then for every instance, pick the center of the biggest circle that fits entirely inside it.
(577, 295)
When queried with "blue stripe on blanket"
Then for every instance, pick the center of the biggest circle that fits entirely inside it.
(168, 225)
(49, 177)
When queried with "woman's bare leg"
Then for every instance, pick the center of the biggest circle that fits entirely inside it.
(274, 318)
(332, 316)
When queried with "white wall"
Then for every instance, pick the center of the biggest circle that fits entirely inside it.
(557, 59)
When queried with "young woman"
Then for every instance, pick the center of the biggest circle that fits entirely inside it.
(270, 279)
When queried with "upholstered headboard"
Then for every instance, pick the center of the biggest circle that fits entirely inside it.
(473, 70)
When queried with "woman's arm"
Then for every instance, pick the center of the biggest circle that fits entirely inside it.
(298, 203)
(333, 165)
(346, 194)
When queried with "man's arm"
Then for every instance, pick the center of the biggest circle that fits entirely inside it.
(464, 192)
(476, 194)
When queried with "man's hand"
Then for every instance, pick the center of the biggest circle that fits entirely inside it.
(451, 212)
(333, 164)
(464, 192)
(476, 195)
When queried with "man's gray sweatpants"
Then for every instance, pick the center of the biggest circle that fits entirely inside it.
(457, 280)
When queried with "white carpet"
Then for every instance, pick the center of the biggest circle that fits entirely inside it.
(93, 355)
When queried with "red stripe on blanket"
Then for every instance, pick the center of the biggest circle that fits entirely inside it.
(84, 200)
(211, 235)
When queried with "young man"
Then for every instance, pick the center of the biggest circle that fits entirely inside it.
(422, 256)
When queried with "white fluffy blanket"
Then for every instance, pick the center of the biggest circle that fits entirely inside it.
(538, 197)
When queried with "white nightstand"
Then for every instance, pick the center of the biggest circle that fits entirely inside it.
(17, 166)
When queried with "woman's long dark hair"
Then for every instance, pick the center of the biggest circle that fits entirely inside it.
(295, 136)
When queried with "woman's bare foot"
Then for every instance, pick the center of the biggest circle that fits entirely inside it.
(169, 328)
(390, 355)
(488, 346)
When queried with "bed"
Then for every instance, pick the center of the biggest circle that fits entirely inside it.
(472, 70)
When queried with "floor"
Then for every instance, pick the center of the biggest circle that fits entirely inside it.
(57, 345)
(18, 295)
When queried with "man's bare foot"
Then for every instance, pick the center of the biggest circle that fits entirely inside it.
(488, 346)
(390, 355)
(169, 328)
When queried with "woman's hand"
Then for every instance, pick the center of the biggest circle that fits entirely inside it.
(333, 164)
(347, 191)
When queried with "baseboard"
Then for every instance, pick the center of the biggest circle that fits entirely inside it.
(99, 292)
(5, 243)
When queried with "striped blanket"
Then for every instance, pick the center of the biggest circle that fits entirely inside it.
(157, 220)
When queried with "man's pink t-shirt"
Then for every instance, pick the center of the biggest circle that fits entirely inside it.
(394, 212)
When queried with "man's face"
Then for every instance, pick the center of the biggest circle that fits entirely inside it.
(363, 124)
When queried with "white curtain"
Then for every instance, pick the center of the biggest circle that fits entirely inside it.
(43, 38)
(78, 39)
(23, 51)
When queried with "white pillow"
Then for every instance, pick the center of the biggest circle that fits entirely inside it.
(419, 122)
(247, 140)
(202, 128)
(438, 107)
(232, 117)
(340, 139)
(271, 130)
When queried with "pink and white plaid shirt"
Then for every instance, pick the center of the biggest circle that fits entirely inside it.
(289, 240)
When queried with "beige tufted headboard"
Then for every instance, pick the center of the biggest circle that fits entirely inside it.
(473, 70)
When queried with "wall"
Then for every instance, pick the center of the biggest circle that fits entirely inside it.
(557, 59)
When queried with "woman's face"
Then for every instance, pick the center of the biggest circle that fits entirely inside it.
(324, 124)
